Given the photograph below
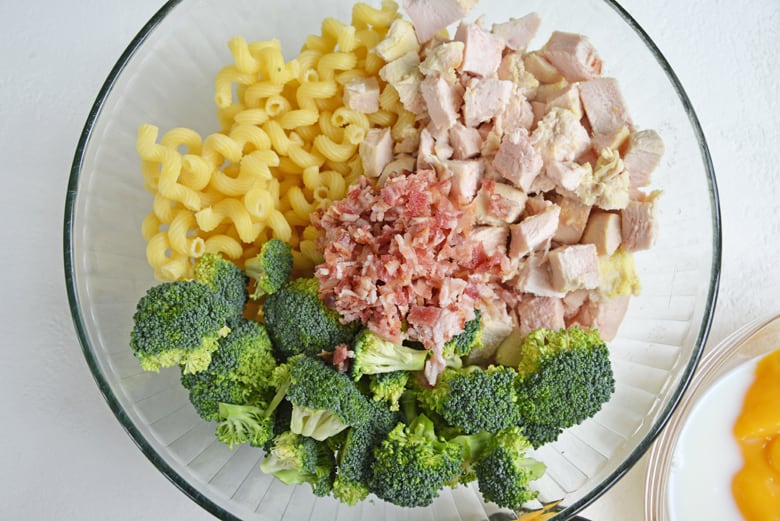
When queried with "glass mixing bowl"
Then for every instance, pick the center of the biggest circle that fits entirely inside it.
(165, 77)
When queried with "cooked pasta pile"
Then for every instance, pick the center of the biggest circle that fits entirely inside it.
(288, 145)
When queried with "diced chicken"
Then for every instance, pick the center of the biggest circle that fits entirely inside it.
(517, 33)
(376, 151)
(400, 40)
(442, 99)
(612, 141)
(534, 233)
(482, 52)
(499, 203)
(567, 98)
(572, 221)
(404, 75)
(560, 136)
(426, 156)
(536, 205)
(603, 314)
(484, 98)
(604, 106)
(607, 187)
(466, 141)
(639, 224)
(574, 267)
(543, 70)
(431, 16)
(533, 276)
(644, 152)
(512, 68)
(443, 60)
(492, 238)
(517, 113)
(402, 163)
(573, 55)
(518, 160)
(465, 178)
(603, 231)
(362, 95)
(536, 312)
(573, 301)
(567, 174)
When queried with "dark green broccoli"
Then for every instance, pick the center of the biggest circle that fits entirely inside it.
(271, 268)
(300, 323)
(470, 338)
(240, 371)
(325, 402)
(474, 399)
(244, 424)
(179, 323)
(225, 278)
(295, 459)
(504, 470)
(564, 377)
(356, 454)
(412, 464)
(388, 387)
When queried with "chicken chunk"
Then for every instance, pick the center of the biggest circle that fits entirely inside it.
(483, 99)
(644, 152)
(603, 231)
(465, 178)
(431, 16)
(535, 312)
(443, 101)
(517, 33)
(573, 55)
(482, 52)
(534, 232)
(639, 224)
(560, 136)
(604, 106)
(572, 220)
(376, 151)
(466, 141)
(362, 95)
(517, 159)
(574, 267)
(499, 203)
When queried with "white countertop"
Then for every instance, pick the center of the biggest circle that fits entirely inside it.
(66, 456)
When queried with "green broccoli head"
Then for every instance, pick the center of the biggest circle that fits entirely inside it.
(412, 464)
(224, 278)
(240, 372)
(300, 323)
(375, 355)
(243, 424)
(325, 402)
(564, 378)
(295, 459)
(271, 268)
(504, 470)
(467, 340)
(474, 399)
(388, 387)
(178, 323)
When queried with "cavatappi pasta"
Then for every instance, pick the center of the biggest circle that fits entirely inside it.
(287, 146)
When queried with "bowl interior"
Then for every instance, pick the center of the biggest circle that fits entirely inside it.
(166, 77)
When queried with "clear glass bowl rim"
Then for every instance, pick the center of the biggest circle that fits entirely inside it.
(212, 507)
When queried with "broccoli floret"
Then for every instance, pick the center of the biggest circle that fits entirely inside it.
(244, 424)
(564, 377)
(271, 268)
(178, 323)
(374, 355)
(388, 387)
(412, 464)
(356, 454)
(504, 470)
(240, 371)
(470, 338)
(325, 402)
(295, 459)
(474, 399)
(224, 278)
(299, 322)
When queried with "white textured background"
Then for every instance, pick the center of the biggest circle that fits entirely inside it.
(64, 455)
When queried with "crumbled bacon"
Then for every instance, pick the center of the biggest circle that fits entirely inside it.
(398, 258)
(341, 357)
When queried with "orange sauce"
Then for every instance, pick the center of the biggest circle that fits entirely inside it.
(756, 487)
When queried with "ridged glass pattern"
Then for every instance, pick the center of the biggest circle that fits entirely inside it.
(166, 78)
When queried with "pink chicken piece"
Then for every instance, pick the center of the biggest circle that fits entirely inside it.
(605, 108)
(517, 33)
(574, 267)
(534, 232)
(603, 231)
(533, 277)
(517, 159)
(362, 95)
(605, 315)
(466, 141)
(465, 178)
(376, 151)
(639, 224)
(499, 203)
(442, 99)
(644, 152)
(492, 238)
(431, 16)
(572, 221)
(484, 98)
(573, 55)
(535, 312)
(482, 52)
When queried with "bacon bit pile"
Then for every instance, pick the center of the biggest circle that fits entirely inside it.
(399, 259)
